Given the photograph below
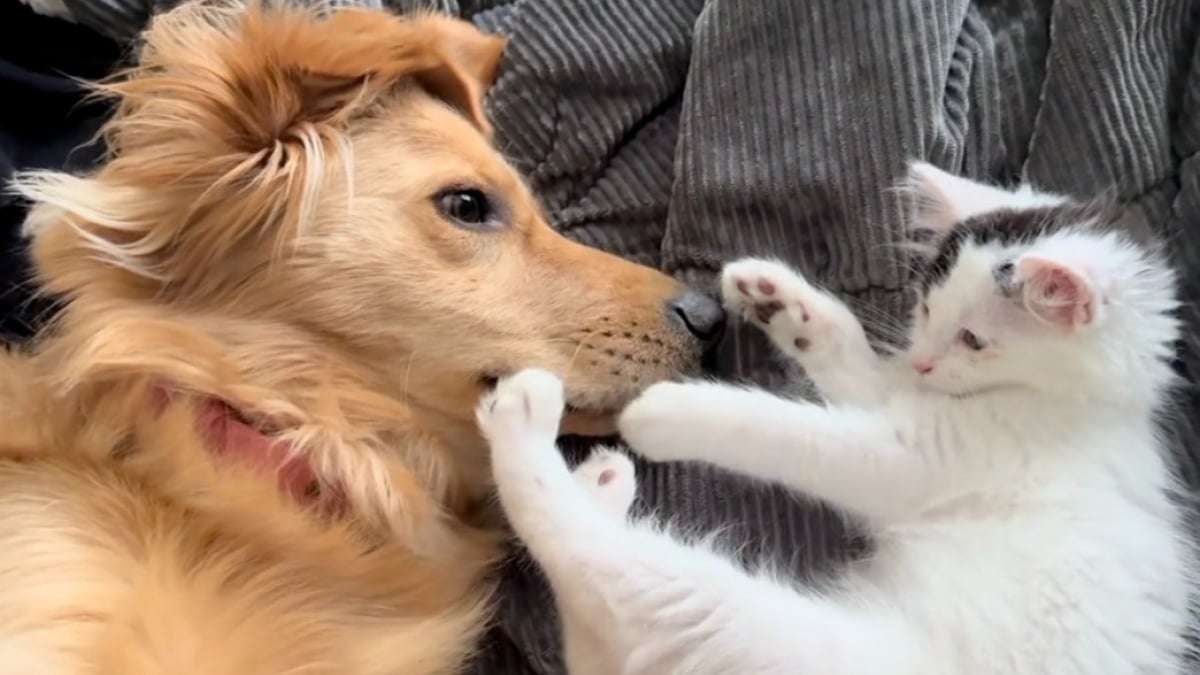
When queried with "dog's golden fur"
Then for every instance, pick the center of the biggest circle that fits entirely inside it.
(265, 233)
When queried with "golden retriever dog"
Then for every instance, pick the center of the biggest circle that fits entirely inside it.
(247, 444)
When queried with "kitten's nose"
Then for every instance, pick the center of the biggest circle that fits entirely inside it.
(922, 367)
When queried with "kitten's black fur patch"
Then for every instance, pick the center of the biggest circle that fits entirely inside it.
(1014, 226)
(1004, 275)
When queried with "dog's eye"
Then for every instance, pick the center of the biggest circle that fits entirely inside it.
(467, 207)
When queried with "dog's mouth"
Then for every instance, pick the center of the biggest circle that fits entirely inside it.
(578, 418)
(489, 382)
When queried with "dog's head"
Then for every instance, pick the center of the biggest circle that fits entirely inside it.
(335, 175)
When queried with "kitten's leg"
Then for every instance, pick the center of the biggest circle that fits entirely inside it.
(645, 603)
(850, 457)
(609, 477)
(570, 523)
(639, 602)
(650, 604)
(545, 504)
(808, 324)
(590, 646)
(781, 630)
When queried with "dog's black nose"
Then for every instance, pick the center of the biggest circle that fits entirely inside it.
(702, 316)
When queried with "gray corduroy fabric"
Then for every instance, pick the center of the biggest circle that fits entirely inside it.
(684, 133)
(122, 20)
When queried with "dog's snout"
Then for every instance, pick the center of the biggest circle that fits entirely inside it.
(702, 316)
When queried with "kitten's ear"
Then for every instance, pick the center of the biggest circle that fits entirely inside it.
(1056, 292)
(944, 200)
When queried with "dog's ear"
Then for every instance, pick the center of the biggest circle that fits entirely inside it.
(357, 54)
(226, 131)
(469, 63)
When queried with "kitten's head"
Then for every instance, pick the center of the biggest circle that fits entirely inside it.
(1032, 290)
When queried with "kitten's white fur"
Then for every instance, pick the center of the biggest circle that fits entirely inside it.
(1018, 495)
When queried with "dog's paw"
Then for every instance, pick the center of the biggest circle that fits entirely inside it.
(524, 408)
(655, 423)
(779, 301)
(609, 477)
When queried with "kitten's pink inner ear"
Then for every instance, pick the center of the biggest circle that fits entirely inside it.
(1056, 293)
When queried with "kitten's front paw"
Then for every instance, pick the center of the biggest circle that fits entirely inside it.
(609, 477)
(523, 412)
(778, 300)
(654, 423)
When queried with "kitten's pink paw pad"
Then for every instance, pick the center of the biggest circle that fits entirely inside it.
(527, 404)
(775, 298)
(609, 477)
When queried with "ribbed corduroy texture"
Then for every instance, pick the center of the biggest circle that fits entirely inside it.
(122, 20)
(684, 133)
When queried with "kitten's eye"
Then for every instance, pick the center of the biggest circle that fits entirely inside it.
(1006, 269)
(467, 207)
(925, 309)
(971, 340)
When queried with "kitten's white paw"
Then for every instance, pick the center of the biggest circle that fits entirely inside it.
(653, 423)
(780, 301)
(524, 409)
(609, 477)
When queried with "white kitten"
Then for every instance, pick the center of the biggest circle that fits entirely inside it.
(1008, 465)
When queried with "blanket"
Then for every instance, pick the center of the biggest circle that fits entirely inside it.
(686, 133)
